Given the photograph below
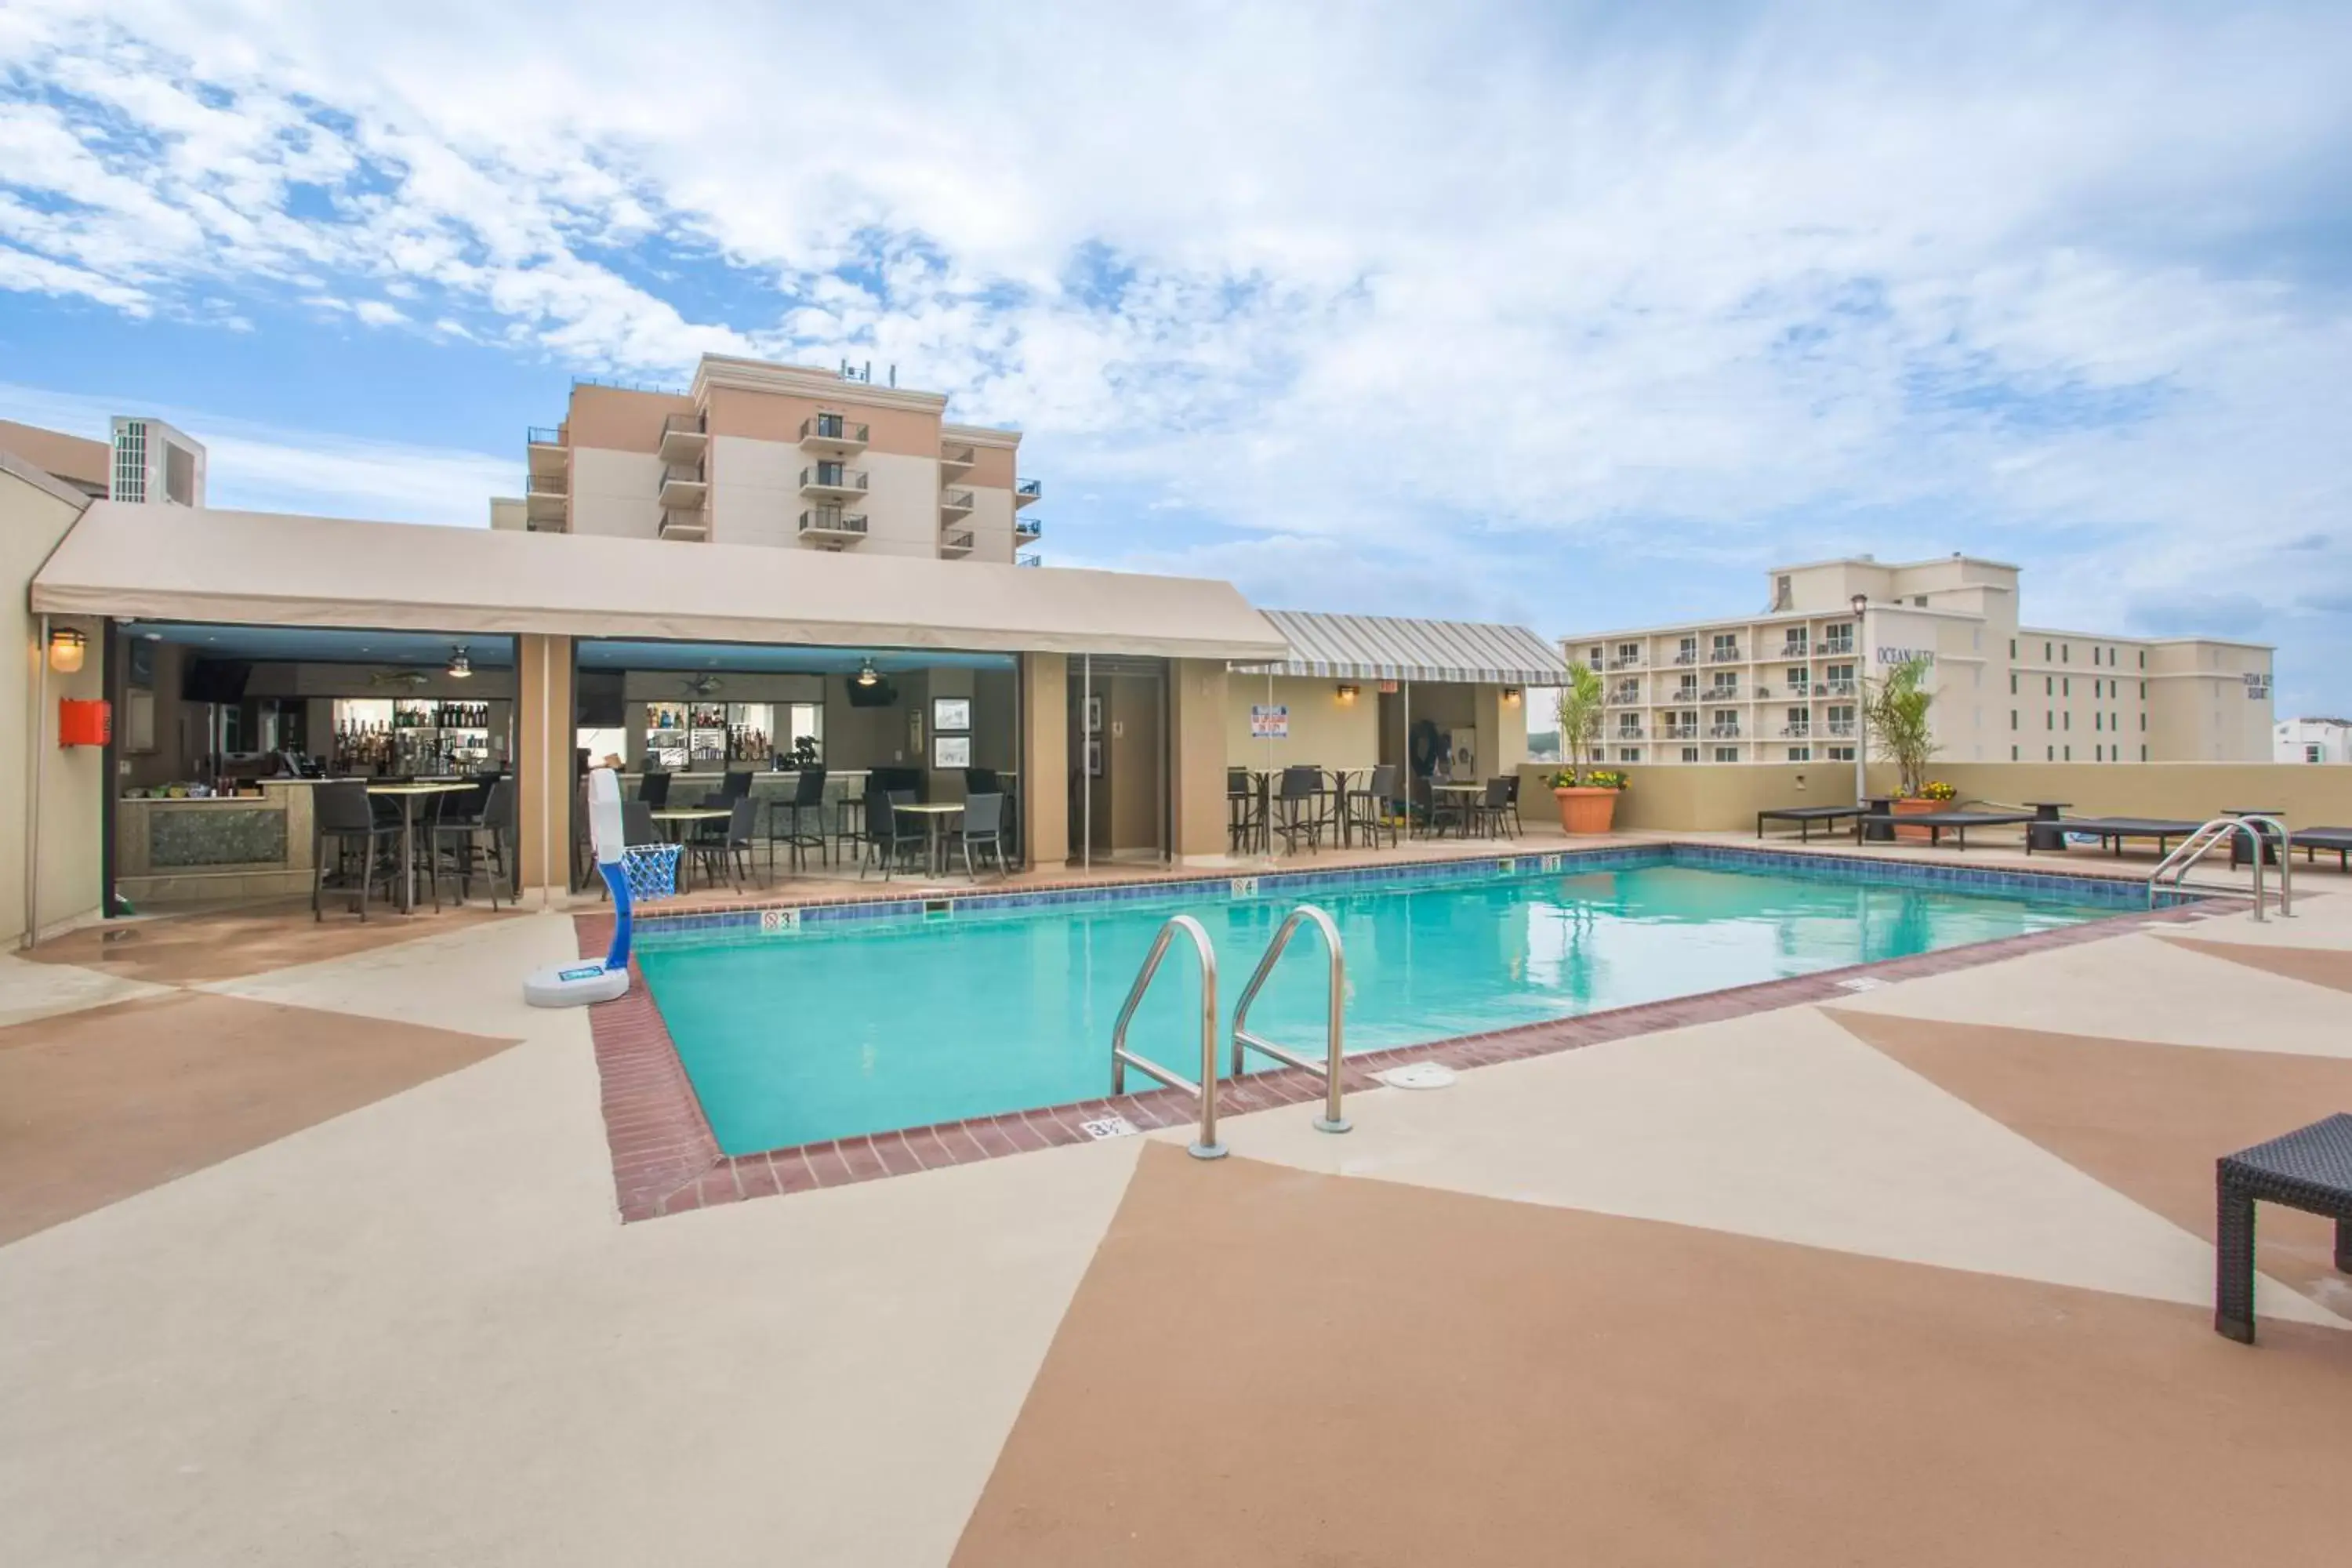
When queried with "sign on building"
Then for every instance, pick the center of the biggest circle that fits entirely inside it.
(1269, 721)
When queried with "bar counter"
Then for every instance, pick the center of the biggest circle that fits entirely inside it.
(172, 851)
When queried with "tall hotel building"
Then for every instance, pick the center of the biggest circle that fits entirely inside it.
(1786, 685)
(755, 453)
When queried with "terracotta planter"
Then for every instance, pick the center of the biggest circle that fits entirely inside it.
(1918, 808)
(1585, 811)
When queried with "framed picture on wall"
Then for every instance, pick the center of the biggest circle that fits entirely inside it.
(1094, 717)
(949, 714)
(951, 751)
(1094, 759)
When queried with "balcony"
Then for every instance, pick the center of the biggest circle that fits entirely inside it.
(1625, 696)
(684, 440)
(955, 505)
(1837, 689)
(1687, 656)
(1632, 735)
(1840, 727)
(1031, 559)
(1677, 731)
(1723, 655)
(694, 526)
(1792, 649)
(1796, 731)
(548, 454)
(955, 546)
(1025, 491)
(1625, 661)
(684, 489)
(832, 433)
(1723, 731)
(1833, 647)
(956, 460)
(1028, 528)
(831, 525)
(546, 499)
(1721, 694)
(831, 481)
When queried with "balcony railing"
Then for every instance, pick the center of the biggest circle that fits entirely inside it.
(1687, 656)
(1796, 731)
(833, 477)
(1831, 648)
(694, 525)
(1723, 655)
(956, 503)
(1677, 731)
(1026, 490)
(1793, 649)
(832, 431)
(1028, 527)
(1840, 727)
(1625, 661)
(1723, 731)
(542, 435)
(956, 544)
(1837, 689)
(683, 488)
(1723, 694)
(957, 457)
(1632, 735)
(556, 485)
(833, 521)
(1033, 559)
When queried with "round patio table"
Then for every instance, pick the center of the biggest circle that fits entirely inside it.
(934, 818)
(408, 795)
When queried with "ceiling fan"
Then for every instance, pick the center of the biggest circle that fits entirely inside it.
(702, 685)
(411, 678)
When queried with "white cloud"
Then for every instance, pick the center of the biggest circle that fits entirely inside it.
(1458, 303)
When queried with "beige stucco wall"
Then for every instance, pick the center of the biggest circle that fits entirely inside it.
(543, 739)
(1046, 759)
(2311, 797)
(620, 418)
(615, 492)
(1324, 731)
(1200, 723)
(1672, 798)
(70, 783)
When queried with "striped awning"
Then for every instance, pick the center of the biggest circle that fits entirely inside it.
(1391, 648)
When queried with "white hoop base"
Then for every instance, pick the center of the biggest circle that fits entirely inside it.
(575, 985)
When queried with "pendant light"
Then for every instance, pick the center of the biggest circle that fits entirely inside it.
(460, 666)
(866, 674)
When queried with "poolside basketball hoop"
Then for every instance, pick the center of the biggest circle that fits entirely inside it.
(646, 871)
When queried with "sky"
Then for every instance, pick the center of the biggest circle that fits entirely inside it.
(1577, 316)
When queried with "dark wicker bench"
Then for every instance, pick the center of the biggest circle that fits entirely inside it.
(1936, 822)
(1804, 816)
(2309, 1169)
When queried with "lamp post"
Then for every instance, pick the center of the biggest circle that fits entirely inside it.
(1861, 603)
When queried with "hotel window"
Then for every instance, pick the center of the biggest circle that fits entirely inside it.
(2067, 686)
(2012, 653)
(2045, 653)
(1841, 753)
(2048, 754)
(1800, 753)
(2049, 719)
(1687, 651)
(1799, 679)
(2098, 753)
(2069, 756)
(2012, 683)
(1595, 659)
(2143, 692)
(2143, 723)
(2065, 653)
(1690, 753)
(2143, 664)
(2049, 686)
(2143, 754)
(2069, 723)
(2012, 717)
(1628, 754)
(2012, 753)
(1629, 653)
(1686, 689)
(2098, 721)
(1726, 753)
(2314, 754)
(1726, 645)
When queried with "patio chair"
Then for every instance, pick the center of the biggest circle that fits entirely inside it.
(984, 826)
(788, 822)
(341, 812)
(465, 838)
(1490, 813)
(653, 788)
(728, 850)
(1518, 826)
(890, 835)
(1245, 812)
(1297, 812)
(1368, 807)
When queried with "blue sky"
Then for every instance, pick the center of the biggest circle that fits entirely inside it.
(1574, 315)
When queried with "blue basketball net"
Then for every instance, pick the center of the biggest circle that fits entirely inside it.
(651, 871)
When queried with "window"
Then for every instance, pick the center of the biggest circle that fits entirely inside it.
(1690, 753)
(2069, 723)
(2049, 719)
(2067, 686)
(1920, 600)
(2143, 754)
(2143, 659)
(2065, 653)
(2098, 721)
(1726, 753)
(2012, 753)
(2012, 717)
(1841, 753)
(1629, 653)
(1594, 657)
(2143, 692)
(2069, 756)
(2012, 683)
(2098, 753)
(2143, 723)
(2048, 754)
(1628, 754)
(2012, 653)
(2314, 754)
(1726, 645)
(2045, 653)
(2049, 686)
(1800, 753)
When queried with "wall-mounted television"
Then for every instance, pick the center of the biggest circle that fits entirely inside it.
(883, 693)
(216, 681)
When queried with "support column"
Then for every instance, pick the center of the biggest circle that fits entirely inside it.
(1046, 759)
(543, 784)
(1196, 769)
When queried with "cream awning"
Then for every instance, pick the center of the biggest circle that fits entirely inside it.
(1391, 648)
(163, 563)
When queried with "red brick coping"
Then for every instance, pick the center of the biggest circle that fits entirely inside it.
(664, 1160)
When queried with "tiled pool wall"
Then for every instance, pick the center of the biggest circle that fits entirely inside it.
(655, 926)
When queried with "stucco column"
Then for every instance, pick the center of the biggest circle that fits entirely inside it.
(1196, 772)
(1046, 759)
(543, 742)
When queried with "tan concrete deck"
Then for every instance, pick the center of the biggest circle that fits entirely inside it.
(1921, 1276)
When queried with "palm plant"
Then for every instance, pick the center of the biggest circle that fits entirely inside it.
(1579, 719)
(1895, 708)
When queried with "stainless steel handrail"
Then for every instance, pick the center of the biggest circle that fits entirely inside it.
(2285, 861)
(2220, 830)
(1206, 1146)
(1334, 1044)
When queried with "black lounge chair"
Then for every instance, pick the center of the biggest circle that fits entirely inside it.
(2311, 840)
(2111, 831)
(1804, 816)
(1937, 822)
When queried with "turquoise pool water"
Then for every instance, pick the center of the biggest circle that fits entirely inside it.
(868, 1025)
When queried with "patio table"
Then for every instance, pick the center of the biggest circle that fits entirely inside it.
(2309, 1169)
(934, 818)
(1463, 794)
(675, 819)
(408, 795)
(2040, 837)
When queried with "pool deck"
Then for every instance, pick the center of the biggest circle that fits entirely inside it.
(311, 1253)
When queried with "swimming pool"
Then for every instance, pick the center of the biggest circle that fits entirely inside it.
(873, 1019)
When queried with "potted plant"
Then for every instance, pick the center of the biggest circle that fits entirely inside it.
(1896, 708)
(1587, 797)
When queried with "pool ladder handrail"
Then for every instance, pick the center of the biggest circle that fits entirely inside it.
(1204, 1147)
(1327, 1070)
(2222, 830)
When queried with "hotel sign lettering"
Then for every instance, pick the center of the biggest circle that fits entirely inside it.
(1905, 655)
(2258, 687)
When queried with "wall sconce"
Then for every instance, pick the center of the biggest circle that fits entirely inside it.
(1346, 692)
(1510, 697)
(67, 646)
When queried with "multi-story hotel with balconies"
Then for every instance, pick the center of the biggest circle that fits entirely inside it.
(1787, 685)
(775, 454)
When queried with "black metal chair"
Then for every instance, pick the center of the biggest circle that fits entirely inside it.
(728, 851)
(463, 837)
(983, 827)
(1367, 809)
(342, 814)
(1518, 826)
(788, 822)
(890, 834)
(1297, 808)
(1245, 812)
(736, 785)
(653, 789)
(980, 781)
(1490, 815)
